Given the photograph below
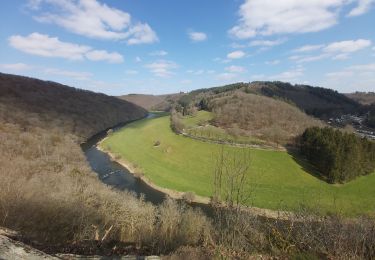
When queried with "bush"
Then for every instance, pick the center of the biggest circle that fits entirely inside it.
(188, 196)
(176, 123)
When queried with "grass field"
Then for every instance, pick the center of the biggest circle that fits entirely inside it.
(277, 180)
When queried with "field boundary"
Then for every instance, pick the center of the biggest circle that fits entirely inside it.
(234, 144)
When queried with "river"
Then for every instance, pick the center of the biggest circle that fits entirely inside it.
(115, 175)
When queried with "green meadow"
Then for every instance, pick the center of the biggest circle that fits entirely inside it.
(277, 180)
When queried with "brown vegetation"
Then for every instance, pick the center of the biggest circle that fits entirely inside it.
(145, 101)
(316, 101)
(152, 102)
(48, 192)
(365, 98)
(263, 117)
(69, 110)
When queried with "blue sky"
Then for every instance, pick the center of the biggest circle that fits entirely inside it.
(167, 46)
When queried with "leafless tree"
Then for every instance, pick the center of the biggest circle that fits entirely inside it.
(230, 180)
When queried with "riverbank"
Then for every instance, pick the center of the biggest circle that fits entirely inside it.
(178, 195)
(277, 180)
(138, 174)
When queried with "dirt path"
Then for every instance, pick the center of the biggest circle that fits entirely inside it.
(253, 146)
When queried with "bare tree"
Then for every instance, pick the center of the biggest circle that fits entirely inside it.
(230, 180)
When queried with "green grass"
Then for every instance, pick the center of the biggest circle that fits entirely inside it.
(278, 181)
(200, 118)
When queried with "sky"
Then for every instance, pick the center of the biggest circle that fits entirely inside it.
(167, 46)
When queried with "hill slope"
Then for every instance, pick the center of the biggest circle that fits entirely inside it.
(153, 102)
(319, 102)
(48, 193)
(262, 117)
(316, 101)
(145, 101)
(364, 98)
(80, 112)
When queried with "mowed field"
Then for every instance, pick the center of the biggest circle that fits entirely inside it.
(276, 180)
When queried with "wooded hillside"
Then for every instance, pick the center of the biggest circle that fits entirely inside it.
(48, 192)
(70, 110)
(263, 117)
(316, 101)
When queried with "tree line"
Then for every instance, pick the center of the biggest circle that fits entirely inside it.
(340, 157)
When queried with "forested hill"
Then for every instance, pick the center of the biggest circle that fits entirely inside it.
(48, 192)
(80, 112)
(316, 101)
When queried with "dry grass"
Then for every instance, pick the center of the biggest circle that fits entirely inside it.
(48, 192)
(364, 98)
(262, 117)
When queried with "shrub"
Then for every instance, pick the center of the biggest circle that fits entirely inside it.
(188, 196)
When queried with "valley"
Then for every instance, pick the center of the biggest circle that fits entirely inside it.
(187, 130)
(277, 180)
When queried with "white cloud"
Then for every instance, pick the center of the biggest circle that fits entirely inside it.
(43, 45)
(226, 76)
(158, 53)
(267, 43)
(235, 69)
(236, 45)
(15, 67)
(267, 17)
(363, 7)
(220, 60)
(93, 19)
(335, 50)
(272, 62)
(185, 81)
(364, 67)
(196, 72)
(339, 74)
(236, 55)
(141, 33)
(101, 55)
(308, 48)
(131, 72)
(352, 78)
(289, 75)
(347, 46)
(162, 68)
(46, 46)
(197, 36)
(341, 56)
(311, 58)
(69, 74)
